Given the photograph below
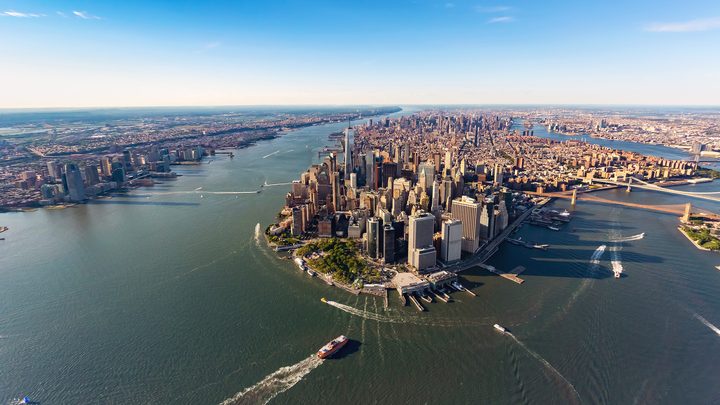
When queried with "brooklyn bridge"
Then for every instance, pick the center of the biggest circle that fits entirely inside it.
(675, 209)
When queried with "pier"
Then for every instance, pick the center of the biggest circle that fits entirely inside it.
(415, 302)
(512, 275)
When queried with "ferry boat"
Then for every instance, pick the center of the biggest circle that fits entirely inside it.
(499, 328)
(332, 347)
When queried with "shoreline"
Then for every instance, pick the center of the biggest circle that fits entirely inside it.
(697, 245)
(279, 132)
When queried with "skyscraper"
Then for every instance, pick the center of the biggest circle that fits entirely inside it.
(75, 186)
(451, 245)
(468, 211)
(54, 170)
(421, 253)
(374, 238)
(348, 153)
(389, 243)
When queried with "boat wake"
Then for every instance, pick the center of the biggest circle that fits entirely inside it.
(266, 184)
(597, 254)
(257, 234)
(405, 320)
(707, 323)
(616, 260)
(546, 364)
(276, 383)
(627, 238)
(270, 154)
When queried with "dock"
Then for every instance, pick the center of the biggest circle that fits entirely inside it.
(439, 297)
(416, 302)
(467, 290)
(387, 299)
(512, 275)
(403, 299)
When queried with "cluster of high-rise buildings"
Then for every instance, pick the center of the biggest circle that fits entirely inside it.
(78, 180)
(404, 202)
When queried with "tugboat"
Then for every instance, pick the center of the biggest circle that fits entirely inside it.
(332, 347)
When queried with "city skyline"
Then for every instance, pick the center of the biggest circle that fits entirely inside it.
(84, 54)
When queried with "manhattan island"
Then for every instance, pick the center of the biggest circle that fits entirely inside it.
(408, 203)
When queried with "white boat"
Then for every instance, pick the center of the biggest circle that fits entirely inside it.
(311, 272)
(553, 228)
(300, 263)
(499, 328)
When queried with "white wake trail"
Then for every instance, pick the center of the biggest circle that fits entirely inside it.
(270, 154)
(276, 383)
(404, 320)
(616, 260)
(707, 323)
(287, 183)
(597, 254)
(627, 238)
(546, 364)
(257, 233)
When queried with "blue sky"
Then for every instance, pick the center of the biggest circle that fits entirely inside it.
(138, 53)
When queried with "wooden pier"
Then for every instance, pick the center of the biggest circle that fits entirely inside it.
(416, 302)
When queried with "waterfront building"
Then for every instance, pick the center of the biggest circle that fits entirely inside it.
(374, 238)
(297, 222)
(75, 186)
(54, 169)
(420, 240)
(487, 220)
(388, 243)
(92, 176)
(451, 243)
(468, 211)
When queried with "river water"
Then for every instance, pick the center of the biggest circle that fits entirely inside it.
(167, 297)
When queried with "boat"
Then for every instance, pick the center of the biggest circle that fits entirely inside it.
(541, 246)
(499, 328)
(553, 228)
(300, 263)
(425, 297)
(311, 272)
(617, 274)
(28, 401)
(457, 286)
(323, 300)
(332, 347)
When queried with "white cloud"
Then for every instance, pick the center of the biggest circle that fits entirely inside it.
(61, 14)
(701, 24)
(491, 9)
(18, 14)
(503, 19)
(85, 15)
